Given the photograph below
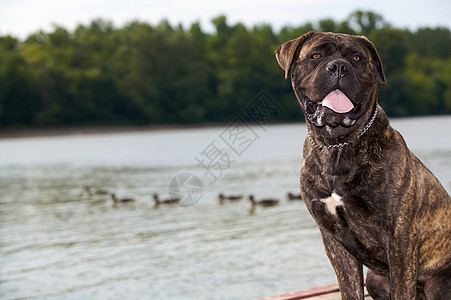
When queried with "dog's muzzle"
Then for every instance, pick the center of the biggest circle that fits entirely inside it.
(322, 114)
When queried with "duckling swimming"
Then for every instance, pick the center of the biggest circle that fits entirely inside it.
(89, 192)
(291, 196)
(233, 198)
(116, 200)
(264, 202)
(158, 202)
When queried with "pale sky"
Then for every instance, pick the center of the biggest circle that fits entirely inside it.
(23, 17)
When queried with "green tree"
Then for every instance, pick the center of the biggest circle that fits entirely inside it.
(327, 25)
(393, 46)
(148, 74)
(432, 42)
(16, 96)
(365, 22)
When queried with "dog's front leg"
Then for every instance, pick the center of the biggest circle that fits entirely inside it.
(403, 262)
(348, 269)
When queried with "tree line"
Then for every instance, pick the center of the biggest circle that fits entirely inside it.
(140, 73)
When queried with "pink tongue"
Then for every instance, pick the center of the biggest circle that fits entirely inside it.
(338, 102)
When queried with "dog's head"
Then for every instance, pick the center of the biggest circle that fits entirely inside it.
(334, 77)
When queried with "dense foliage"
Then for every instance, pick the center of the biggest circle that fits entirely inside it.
(144, 74)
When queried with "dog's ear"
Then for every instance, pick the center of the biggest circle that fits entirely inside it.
(380, 76)
(286, 52)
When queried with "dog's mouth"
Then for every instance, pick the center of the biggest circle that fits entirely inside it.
(334, 110)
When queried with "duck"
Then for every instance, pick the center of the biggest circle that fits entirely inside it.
(263, 202)
(121, 200)
(89, 192)
(233, 198)
(291, 196)
(164, 201)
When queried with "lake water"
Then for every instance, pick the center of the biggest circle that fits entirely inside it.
(56, 243)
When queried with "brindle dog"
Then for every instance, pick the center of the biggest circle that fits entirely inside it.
(375, 203)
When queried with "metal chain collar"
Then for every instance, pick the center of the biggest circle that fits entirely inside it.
(341, 145)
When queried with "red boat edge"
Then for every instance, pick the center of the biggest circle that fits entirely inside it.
(306, 294)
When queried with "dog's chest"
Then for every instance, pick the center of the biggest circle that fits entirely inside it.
(331, 203)
(338, 211)
(342, 190)
(333, 212)
(351, 223)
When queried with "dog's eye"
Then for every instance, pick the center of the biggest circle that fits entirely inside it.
(316, 56)
(356, 58)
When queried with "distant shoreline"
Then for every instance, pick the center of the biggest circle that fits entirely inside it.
(66, 131)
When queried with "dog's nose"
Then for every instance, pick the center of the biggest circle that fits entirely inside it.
(337, 67)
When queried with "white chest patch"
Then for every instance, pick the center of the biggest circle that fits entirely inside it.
(332, 202)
